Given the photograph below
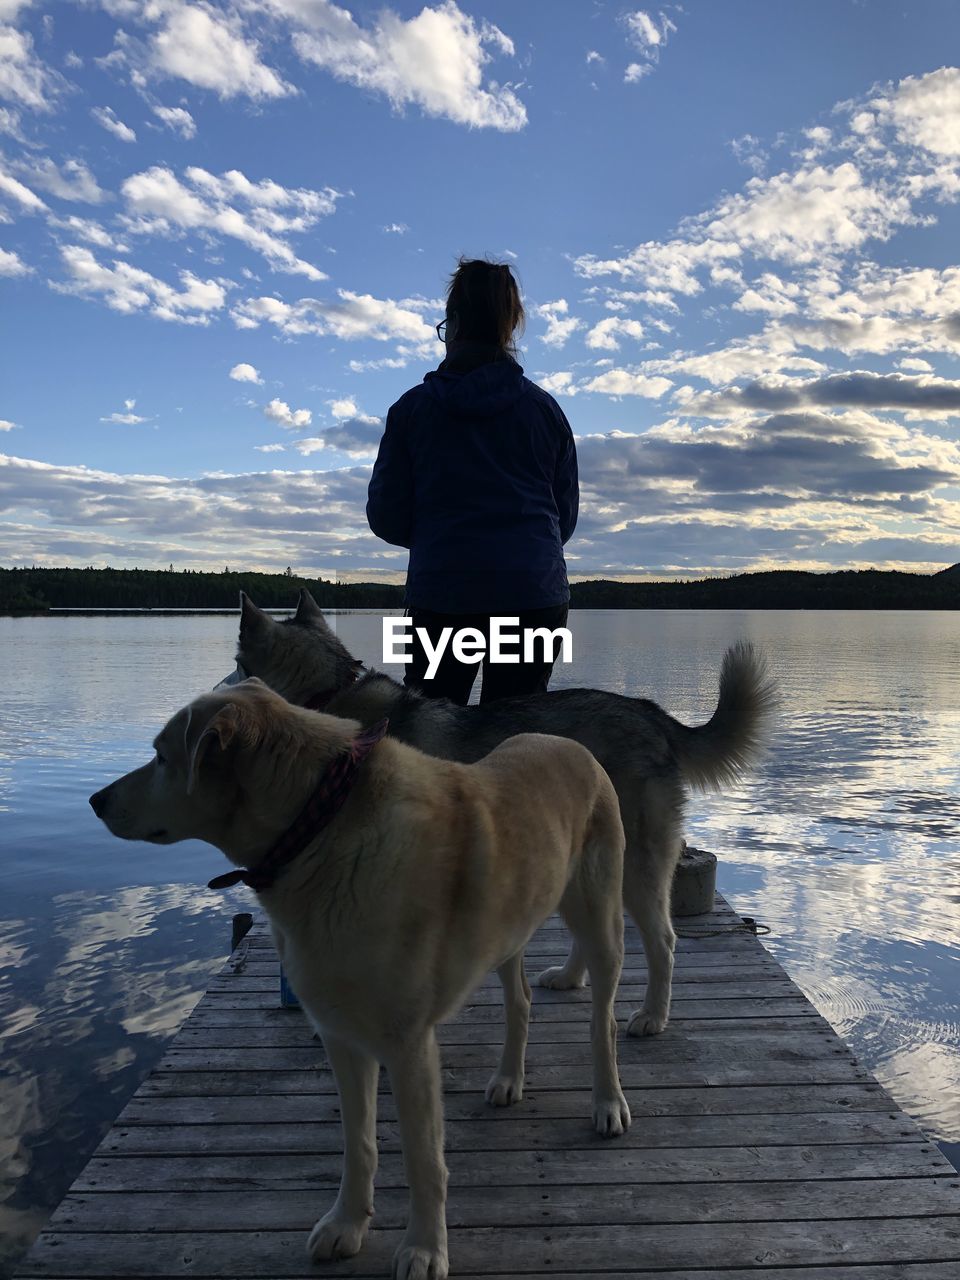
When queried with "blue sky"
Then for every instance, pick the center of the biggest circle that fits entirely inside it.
(225, 231)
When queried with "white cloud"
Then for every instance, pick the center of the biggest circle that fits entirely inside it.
(619, 299)
(353, 317)
(347, 408)
(594, 56)
(748, 151)
(10, 123)
(262, 215)
(10, 9)
(308, 445)
(625, 382)
(209, 48)
(107, 118)
(89, 230)
(742, 358)
(7, 425)
(11, 264)
(880, 310)
(558, 384)
(649, 35)
(128, 289)
(246, 373)
(804, 217)
(270, 448)
(72, 180)
(670, 266)
(798, 217)
(127, 419)
(76, 514)
(24, 79)
(178, 119)
(771, 295)
(13, 189)
(435, 60)
(925, 111)
(560, 325)
(644, 32)
(915, 365)
(292, 419)
(396, 228)
(388, 362)
(605, 334)
(636, 71)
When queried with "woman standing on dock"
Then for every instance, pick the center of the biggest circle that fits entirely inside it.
(477, 476)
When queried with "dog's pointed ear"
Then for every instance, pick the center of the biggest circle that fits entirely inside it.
(252, 619)
(201, 735)
(308, 611)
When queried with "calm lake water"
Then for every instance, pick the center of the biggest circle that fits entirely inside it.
(846, 842)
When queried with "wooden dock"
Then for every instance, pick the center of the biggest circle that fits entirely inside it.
(759, 1149)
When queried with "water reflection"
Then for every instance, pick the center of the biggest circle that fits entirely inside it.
(92, 987)
(845, 842)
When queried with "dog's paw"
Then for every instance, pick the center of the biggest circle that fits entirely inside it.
(558, 978)
(503, 1091)
(333, 1237)
(611, 1116)
(412, 1262)
(644, 1023)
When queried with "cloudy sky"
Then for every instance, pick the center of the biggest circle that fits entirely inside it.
(225, 231)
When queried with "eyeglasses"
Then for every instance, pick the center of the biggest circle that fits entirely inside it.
(441, 329)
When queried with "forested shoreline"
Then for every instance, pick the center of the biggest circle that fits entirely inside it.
(39, 590)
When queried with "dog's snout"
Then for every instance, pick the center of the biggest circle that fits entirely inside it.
(98, 801)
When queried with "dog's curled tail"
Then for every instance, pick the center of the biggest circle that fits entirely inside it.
(717, 753)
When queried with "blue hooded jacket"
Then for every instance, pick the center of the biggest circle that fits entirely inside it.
(477, 475)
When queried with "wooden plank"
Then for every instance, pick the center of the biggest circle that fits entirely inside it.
(271, 1019)
(183, 1108)
(699, 967)
(545, 950)
(506, 1131)
(797, 1047)
(488, 1207)
(588, 1248)
(604, 1164)
(297, 1033)
(633, 1075)
(704, 985)
(870, 1271)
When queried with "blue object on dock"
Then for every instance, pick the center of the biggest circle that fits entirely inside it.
(288, 997)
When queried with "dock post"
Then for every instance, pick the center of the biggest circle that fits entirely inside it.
(242, 924)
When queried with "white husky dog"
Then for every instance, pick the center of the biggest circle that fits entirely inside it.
(394, 882)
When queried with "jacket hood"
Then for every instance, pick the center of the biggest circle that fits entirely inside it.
(483, 392)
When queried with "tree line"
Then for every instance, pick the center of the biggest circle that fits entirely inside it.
(36, 590)
(40, 589)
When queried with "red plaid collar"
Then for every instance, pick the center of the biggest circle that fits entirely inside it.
(320, 810)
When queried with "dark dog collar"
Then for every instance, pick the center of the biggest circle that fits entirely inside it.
(320, 810)
(320, 701)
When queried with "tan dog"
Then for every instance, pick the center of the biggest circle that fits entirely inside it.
(430, 875)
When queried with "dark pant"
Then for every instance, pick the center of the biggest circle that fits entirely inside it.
(454, 679)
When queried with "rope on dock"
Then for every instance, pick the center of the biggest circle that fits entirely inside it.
(746, 924)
